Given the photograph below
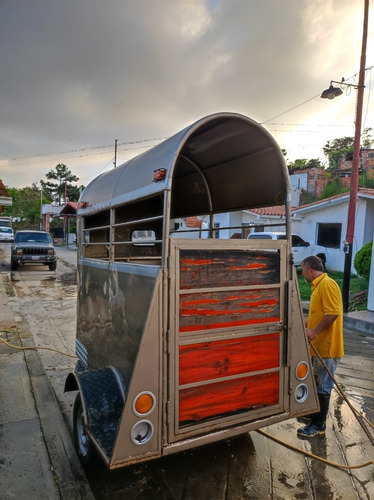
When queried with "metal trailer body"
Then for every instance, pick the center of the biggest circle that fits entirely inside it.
(186, 341)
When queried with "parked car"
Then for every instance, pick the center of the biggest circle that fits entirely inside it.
(300, 247)
(33, 247)
(6, 234)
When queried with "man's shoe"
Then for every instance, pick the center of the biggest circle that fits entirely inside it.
(311, 430)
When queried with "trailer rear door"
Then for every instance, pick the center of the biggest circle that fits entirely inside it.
(226, 336)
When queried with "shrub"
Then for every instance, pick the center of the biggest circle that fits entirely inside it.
(362, 260)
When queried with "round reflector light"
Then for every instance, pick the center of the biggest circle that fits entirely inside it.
(301, 393)
(144, 403)
(302, 370)
(141, 432)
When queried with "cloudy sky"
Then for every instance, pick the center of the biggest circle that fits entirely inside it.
(76, 75)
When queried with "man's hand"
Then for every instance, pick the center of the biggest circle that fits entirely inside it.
(311, 333)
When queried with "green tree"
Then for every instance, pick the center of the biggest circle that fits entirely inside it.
(362, 260)
(303, 163)
(63, 188)
(332, 188)
(25, 209)
(366, 139)
(337, 148)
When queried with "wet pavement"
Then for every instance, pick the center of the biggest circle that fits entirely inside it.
(37, 458)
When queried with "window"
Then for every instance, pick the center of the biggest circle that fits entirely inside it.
(254, 236)
(297, 241)
(129, 232)
(329, 235)
(96, 235)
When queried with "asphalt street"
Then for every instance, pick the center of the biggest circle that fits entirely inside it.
(37, 457)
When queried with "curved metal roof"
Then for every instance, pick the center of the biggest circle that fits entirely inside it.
(223, 162)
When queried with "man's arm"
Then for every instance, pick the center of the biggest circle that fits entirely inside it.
(327, 321)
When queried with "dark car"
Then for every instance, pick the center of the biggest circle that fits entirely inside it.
(33, 247)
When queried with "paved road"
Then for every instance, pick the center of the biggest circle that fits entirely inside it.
(250, 466)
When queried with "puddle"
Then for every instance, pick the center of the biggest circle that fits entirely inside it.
(68, 279)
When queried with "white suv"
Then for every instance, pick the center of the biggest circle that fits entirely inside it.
(300, 247)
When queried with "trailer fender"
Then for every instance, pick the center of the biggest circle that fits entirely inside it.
(103, 395)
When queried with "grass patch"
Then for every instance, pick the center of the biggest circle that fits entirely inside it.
(357, 285)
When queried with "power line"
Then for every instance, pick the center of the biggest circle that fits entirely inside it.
(107, 149)
(308, 100)
(288, 110)
(80, 152)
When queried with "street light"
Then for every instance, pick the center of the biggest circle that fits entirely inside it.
(333, 92)
(330, 93)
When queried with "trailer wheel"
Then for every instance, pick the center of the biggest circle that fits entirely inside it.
(84, 447)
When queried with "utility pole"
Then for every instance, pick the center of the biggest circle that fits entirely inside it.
(41, 207)
(115, 153)
(355, 166)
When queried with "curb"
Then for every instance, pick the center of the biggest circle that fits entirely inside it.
(72, 483)
(70, 478)
(358, 324)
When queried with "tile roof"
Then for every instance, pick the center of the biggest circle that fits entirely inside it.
(280, 210)
(277, 210)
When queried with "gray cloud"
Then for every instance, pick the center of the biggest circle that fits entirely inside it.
(78, 74)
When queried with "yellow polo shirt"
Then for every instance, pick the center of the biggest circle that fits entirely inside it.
(326, 298)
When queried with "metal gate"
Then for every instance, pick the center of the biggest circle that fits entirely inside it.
(226, 337)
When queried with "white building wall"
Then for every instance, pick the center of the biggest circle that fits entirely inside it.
(369, 222)
(298, 182)
(338, 213)
(223, 220)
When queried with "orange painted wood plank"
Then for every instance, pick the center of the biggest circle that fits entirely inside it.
(210, 268)
(225, 358)
(223, 309)
(225, 398)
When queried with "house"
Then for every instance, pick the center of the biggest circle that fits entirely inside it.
(5, 199)
(49, 211)
(67, 212)
(313, 180)
(366, 163)
(322, 223)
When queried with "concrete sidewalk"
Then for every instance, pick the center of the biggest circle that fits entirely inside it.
(363, 321)
(37, 456)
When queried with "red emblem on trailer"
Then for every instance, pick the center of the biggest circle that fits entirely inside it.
(159, 174)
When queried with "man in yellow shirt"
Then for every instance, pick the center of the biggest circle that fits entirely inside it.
(324, 329)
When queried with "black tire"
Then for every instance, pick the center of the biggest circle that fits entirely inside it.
(84, 447)
(13, 265)
(53, 266)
